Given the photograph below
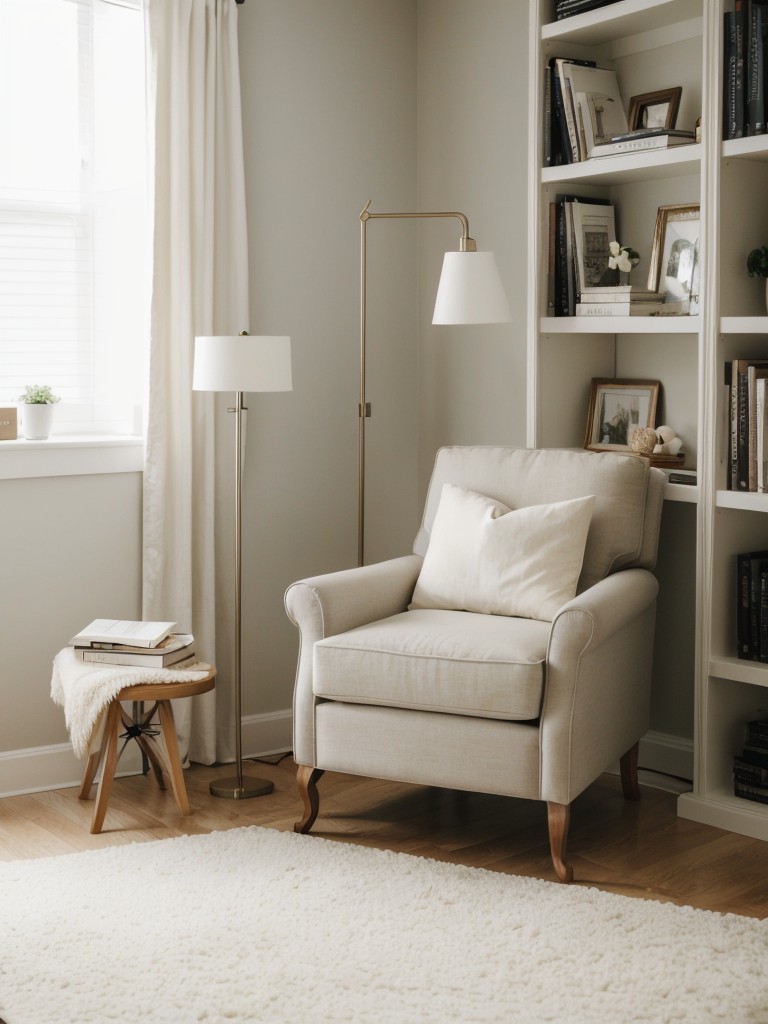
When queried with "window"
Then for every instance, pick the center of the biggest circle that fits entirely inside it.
(73, 219)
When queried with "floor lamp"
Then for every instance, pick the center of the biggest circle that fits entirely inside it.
(241, 363)
(470, 292)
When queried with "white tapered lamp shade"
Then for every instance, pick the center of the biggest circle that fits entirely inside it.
(470, 291)
(242, 362)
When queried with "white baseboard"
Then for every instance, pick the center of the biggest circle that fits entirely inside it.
(36, 769)
(668, 755)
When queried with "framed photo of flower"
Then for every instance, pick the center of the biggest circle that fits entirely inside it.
(616, 409)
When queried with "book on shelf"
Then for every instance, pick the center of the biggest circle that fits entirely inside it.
(618, 293)
(598, 109)
(123, 631)
(733, 74)
(629, 308)
(682, 476)
(177, 650)
(567, 8)
(559, 123)
(750, 768)
(563, 258)
(643, 143)
(752, 605)
(748, 444)
(745, 27)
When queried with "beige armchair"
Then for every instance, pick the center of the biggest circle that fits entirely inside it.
(394, 682)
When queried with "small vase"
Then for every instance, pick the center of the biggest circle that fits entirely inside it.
(36, 421)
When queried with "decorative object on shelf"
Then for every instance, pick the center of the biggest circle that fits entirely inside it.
(8, 423)
(668, 442)
(654, 109)
(469, 292)
(757, 266)
(617, 409)
(620, 263)
(643, 440)
(241, 363)
(676, 257)
(37, 416)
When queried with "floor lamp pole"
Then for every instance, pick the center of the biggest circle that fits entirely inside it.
(466, 244)
(239, 788)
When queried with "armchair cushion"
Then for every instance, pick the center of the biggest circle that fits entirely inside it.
(435, 660)
(485, 557)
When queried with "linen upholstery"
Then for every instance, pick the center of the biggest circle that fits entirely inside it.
(485, 557)
(512, 706)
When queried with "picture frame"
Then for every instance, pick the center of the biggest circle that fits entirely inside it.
(674, 268)
(616, 409)
(654, 109)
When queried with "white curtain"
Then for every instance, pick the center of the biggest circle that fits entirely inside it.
(199, 286)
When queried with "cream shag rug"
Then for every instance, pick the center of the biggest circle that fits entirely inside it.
(258, 925)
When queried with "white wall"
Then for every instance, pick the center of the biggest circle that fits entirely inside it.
(414, 104)
(472, 131)
(330, 122)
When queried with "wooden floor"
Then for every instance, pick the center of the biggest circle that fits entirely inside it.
(636, 849)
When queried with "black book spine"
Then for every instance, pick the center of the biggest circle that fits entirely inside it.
(739, 98)
(754, 76)
(729, 74)
(742, 606)
(561, 264)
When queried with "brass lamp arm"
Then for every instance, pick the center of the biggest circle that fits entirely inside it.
(466, 243)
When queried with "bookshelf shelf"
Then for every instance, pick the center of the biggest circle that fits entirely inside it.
(744, 500)
(620, 325)
(688, 493)
(755, 147)
(629, 168)
(629, 17)
(739, 671)
(744, 325)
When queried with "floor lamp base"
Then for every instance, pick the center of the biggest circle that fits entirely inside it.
(241, 789)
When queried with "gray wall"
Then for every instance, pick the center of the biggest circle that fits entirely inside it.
(414, 104)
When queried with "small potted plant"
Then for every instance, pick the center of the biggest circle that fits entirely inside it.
(37, 415)
(757, 266)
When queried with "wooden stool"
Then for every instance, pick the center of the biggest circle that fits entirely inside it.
(103, 748)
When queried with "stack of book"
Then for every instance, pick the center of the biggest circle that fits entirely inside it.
(750, 771)
(745, 381)
(752, 605)
(744, 69)
(618, 300)
(141, 644)
(642, 139)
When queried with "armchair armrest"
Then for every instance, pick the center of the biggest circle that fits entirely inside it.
(334, 603)
(326, 605)
(598, 678)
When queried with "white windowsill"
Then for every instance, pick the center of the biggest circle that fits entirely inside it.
(71, 455)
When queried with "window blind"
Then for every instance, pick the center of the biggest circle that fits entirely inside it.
(73, 225)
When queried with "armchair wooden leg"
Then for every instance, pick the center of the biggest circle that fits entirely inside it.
(559, 818)
(306, 779)
(628, 766)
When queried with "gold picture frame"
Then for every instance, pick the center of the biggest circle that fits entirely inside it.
(654, 109)
(616, 409)
(674, 268)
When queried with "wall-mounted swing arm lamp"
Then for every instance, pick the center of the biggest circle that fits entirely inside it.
(470, 292)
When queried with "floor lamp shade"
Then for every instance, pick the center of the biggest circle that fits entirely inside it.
(242, 362)
(470, 291)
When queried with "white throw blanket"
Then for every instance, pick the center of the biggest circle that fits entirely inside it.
(84, 691)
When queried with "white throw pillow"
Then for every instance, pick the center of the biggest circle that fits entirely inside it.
(485, 557)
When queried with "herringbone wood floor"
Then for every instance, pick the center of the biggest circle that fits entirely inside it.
(636, 849)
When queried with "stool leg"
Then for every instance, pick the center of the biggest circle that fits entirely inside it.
(111, 736)
(95, 750)
(175, 773)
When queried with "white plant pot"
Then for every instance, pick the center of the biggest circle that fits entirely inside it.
(36, 421)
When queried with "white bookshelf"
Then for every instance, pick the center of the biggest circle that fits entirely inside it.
(655, 44)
